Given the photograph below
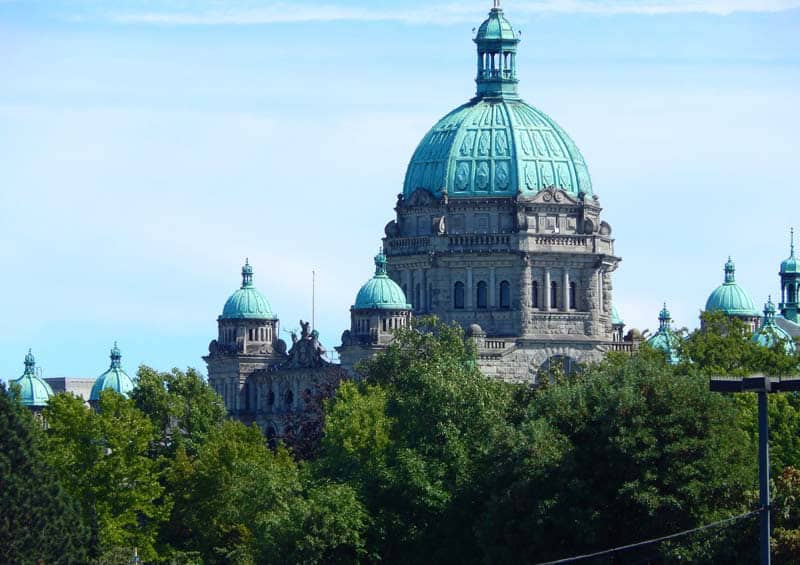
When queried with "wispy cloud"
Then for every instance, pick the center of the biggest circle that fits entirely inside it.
(444, 13)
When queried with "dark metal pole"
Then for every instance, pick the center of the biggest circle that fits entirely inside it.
(763, 475)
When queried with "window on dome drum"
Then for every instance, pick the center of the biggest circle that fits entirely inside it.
(458, 296)
(535, 295)
(553, 294)
(384, 324)
(573, 303)
(482, 295)
(289, 398)
(307, 396)
(271, 398)
(405, 291)
(505, 295)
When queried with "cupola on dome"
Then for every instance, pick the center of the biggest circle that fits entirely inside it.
(771, 333)
(789, 265)
(496, 144)
(665, 339)
(115, 378)
(247, 302)
(730, 298)
(33, 390)
(381, 292)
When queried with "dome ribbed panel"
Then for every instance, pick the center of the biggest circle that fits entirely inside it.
(33, 390)
(732, 299)
(247, 303)
(113, 379)
(382, 293)
(496, 147)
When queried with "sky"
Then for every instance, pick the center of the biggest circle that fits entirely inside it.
(147, 147)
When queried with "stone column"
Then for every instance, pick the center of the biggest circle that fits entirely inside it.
(525, 290)
(547, 289)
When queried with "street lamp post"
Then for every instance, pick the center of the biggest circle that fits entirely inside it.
(761, 385)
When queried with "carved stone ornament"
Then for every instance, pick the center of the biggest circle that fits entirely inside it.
(391, 229)
(420, 197)
(605, 229)
(306, 352)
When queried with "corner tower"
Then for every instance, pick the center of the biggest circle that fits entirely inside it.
(790, 283)
(247, 341)
(498, 225)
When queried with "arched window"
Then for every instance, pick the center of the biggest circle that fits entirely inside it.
(505, 295)
(308, 396)
(417, 298)
(535, 294)
(270, 398)
(554, 294)
(289, 398)
(246, 392)
(405, 291)
(458, 296)
(573, 299)
(482, 295)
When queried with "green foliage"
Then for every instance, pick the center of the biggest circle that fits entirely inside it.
(181, 406)
(102, 457)
(786, 517)
(723, 347)
(628, 451)
(416, 441)
(238, 502)
(38, 520)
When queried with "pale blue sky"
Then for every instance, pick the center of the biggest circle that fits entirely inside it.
(148, 147)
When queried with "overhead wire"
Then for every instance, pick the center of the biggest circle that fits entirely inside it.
(621, 548)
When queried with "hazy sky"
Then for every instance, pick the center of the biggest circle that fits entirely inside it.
(148, 147)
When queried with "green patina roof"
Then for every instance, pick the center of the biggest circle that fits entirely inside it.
(247, 302)
(789, 265)
(770, 333)
(730, 298)
(665, 339)
(34, 391)
(380, 291)
(616, 320)
(496, 144)
(115, 378)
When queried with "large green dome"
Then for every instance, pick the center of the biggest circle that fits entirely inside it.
(496, 144)
(115, 378)
(380, 292)
(496, 147)
(247, 302)
(730, 298)
(33, 391)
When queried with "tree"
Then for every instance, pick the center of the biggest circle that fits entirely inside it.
(628, 451)
(102, 457)
(181, 406)
(239, 502)
(39, 520)
(415, 440)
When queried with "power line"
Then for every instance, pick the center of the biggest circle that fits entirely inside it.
(652, 541)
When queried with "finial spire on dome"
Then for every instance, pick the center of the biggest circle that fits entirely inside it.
(380, 263)
(791, 242)
(30, 363)
(116, 357)
(730, 271)
(497, 56)
(247, 274)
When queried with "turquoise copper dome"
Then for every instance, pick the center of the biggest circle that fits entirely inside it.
(247, 302)
(496, 144)
(115, 378)
(33, 391)
(789, 265)
(381, 292)
(771, 333)
(665, 339)
(730, 298)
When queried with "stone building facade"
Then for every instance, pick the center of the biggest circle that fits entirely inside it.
(498, 228)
